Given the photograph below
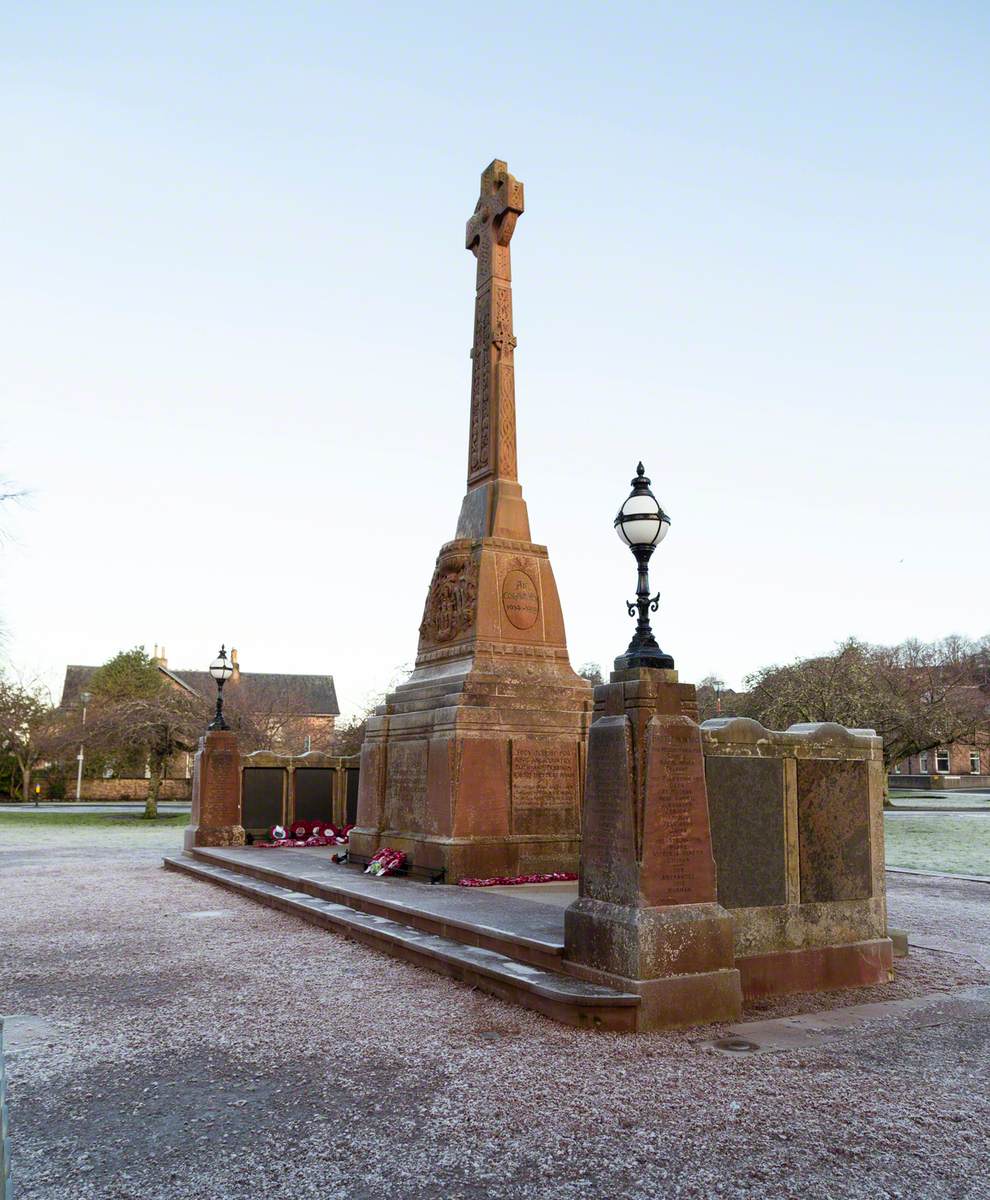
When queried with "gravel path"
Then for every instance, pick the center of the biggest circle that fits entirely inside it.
(203, 1047)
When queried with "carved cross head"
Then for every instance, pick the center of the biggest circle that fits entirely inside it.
(498, 207)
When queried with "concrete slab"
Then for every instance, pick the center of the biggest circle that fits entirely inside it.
(21, 1031)
(812, 1029)
(558, 894)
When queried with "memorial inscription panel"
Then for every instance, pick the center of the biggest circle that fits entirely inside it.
(313, 794)
(834, 830)
(608, 833)
(405, 788)
(262, 798)
(545, 786)
(678, 867)
(746, 809)
(520, 599)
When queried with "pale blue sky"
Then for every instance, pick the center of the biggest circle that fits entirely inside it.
(237, 310)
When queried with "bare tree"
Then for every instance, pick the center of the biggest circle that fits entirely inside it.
(592, 672)
(917, 695)
(349, 737)
(276, 717)
(28, 731)
(136, 711)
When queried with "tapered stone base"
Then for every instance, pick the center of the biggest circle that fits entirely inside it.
(679, 958)
(476, 763)
(215, 819)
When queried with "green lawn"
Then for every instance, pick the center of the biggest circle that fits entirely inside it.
(38, 818)
(953, 843)
(921, 799)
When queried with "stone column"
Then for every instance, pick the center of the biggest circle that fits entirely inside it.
(216, 792)
(646, 919)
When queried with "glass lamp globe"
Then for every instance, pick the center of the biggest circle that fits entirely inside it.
(220, 668)
(641, 521)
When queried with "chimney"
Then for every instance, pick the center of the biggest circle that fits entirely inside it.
(235, 664)
(158, 659)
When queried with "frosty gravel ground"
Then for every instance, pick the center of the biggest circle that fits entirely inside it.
(202, 1046)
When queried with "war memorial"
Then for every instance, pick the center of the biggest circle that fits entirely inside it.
(714, 862)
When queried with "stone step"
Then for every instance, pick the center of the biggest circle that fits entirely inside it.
(525, 931)
(561, 997)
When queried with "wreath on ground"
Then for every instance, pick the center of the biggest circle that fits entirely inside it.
(508, 880)
(306, 833)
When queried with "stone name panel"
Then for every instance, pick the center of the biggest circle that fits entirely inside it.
(678, 867)
(608, 847)
(833, 803)
(262, 797)
(544, 773)
(746, 808)
(405, 785)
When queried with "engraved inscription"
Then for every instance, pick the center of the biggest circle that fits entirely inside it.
(544, 774)
(676, 835)
(608, 845)
(405, 786)
(520, 599)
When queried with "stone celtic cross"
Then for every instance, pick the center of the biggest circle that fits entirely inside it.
(492, 437)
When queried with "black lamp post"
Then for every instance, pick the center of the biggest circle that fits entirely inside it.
(221, 670)
(642, 525)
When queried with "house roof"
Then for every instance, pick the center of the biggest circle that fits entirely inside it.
(315, 695)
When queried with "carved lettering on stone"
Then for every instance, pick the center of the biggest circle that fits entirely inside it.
(544, 773)
(520, 599)
(678, 866)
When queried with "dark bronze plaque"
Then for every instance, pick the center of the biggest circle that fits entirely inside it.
(834, 830)
(314, 795)
(353, 779)
(262, 797)
(746, 807)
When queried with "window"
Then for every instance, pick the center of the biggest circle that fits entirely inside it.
(974, 762)
(923, 763)
(941, 760)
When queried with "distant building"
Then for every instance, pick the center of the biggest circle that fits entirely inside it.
(288, 713)
(959, 765)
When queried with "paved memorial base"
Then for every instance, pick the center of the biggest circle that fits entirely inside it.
(188, 1044)
(519, 928)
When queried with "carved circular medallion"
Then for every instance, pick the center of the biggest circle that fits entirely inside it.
(520, 599)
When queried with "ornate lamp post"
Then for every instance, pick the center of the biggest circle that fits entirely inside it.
(642, 525)
(221, 670)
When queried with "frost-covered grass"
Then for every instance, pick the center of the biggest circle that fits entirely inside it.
(920, 799)
(132, 831)
(954, 843)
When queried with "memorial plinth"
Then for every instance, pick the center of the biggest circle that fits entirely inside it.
(647, 919)
(215, 819)
(476, 763)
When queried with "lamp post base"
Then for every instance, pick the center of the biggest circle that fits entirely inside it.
(644, 658)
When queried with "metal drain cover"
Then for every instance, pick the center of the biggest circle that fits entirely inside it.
(737, 1045)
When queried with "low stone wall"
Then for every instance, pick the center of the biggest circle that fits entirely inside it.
(938, 783)
(797, 835)
(129, 789)
(281, 788)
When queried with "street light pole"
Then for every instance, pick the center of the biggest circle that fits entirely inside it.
(221, 670)
(642, 525)
(85, 697)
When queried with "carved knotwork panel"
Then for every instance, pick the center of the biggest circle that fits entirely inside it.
(452, 600)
